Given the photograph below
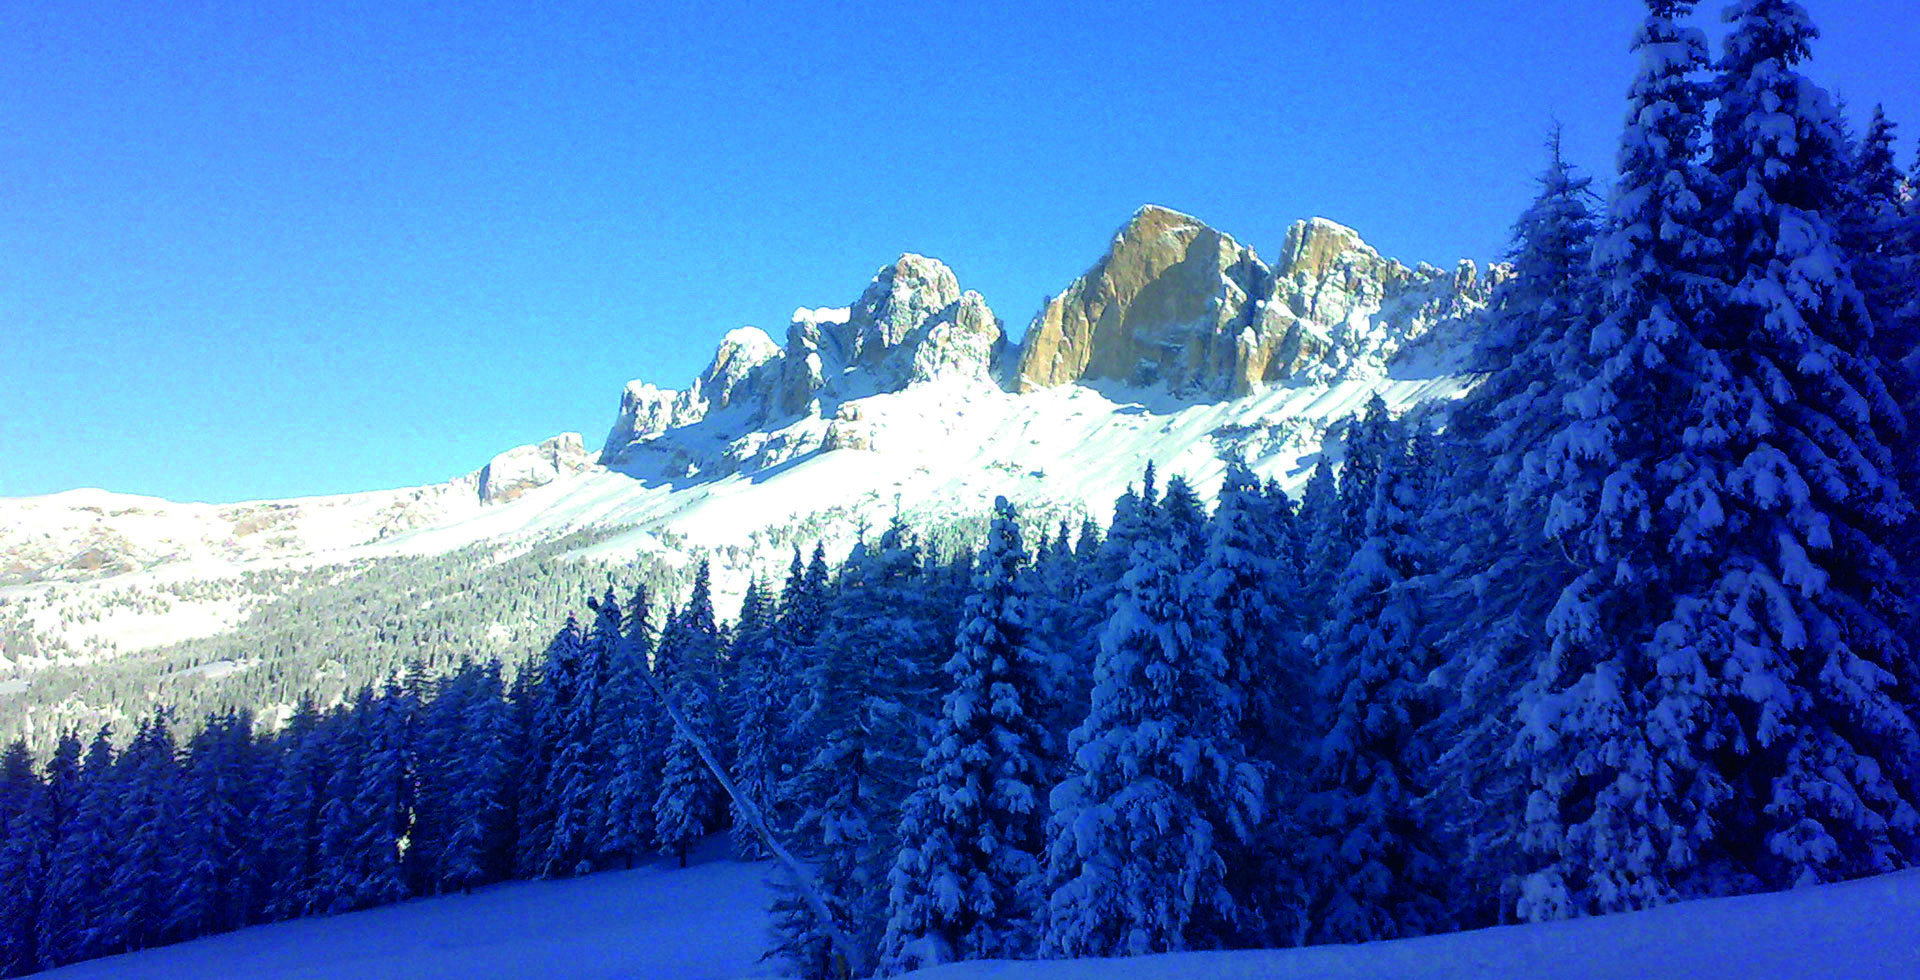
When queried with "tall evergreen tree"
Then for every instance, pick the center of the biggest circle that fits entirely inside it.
(1786, 685)
(144, 825)
(23, 850)
(1375, 866)
(1242, 584)
(383, 799)
(575, 790)
(966, 882)
(1499, 572)
(1597, 835)
(629, 719)
(756, 709)
(1158, 786)
(548, 701)
(65, 876)
(477, 776)
(220, 844)
(689, 664)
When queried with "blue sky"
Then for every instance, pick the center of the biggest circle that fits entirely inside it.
(279, 249)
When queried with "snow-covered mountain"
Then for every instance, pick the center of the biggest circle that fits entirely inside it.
(1179, 345)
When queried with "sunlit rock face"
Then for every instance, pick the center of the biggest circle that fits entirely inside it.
(1173, 304)
(913, 323)
(1177, 303)
(523, 468)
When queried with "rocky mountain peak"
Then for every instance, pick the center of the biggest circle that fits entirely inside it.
(912, 323)
(902, 296)
(1176, 303)
(1145, 312)
(1315, 246)
(524, 468)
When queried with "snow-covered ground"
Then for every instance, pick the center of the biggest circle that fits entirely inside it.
(937, 449)
(654, 923)
(709, 921)
(1862, 929)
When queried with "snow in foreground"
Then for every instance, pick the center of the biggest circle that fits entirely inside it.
(708, 923)
(705, 923)
(1865, 929)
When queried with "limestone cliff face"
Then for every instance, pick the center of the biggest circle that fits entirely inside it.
(1167, 303)
(912, 323)
(1173, 303)
(521, 469)
(1177, 303)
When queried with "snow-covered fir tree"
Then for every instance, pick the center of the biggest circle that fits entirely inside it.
(755, 707)
(218, 846)
(80, 865)
(143, 824)
(1598, 836)
(1375, 865)
(1785, 695)
(867, 724)
(574, 789)
(1242, 584)
(1158, 786)
(630, 714)
(23, 851)
(1499, 573)
(966, 882)
(688, 665)
(293, 823)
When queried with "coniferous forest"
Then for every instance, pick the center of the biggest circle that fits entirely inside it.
(1632, 622)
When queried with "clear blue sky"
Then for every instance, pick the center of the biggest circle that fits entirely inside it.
(253, 250)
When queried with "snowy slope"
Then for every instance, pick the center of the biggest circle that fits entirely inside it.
(709, 922)
(1181, 347)
(703, 923)
(1863, 929)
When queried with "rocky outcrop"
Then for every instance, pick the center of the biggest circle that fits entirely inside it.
(1177, 303)
(523, 468)
(1167, 303)
(1174, 303)
(911, 324)
(646, 411)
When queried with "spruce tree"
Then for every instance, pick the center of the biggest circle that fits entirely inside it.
(629, 718)
(144, 878)
(81, 866)
(754, 705)
(23, 849)
(63, 877)
(1375, 868)
(293, 826)
(1499, 572)
(1242, 583)
(547, 699)
(1158, 787)
(220, 844)
(966, 882)
(1598, 836)
(688, 665)
(478, 775)
(574, 788)
(1786, 681)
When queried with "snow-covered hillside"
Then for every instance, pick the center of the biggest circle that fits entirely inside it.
(708, 922)
(1178, 346)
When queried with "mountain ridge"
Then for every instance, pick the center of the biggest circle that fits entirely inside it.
(1174, 315)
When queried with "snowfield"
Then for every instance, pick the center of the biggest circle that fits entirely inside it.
(704, 923)
(709, 923)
